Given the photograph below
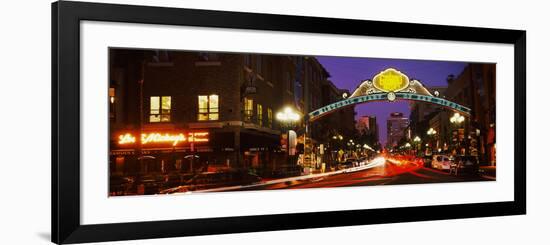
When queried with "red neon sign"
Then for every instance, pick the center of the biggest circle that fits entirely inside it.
(155, 137)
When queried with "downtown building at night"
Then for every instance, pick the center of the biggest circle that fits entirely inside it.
(396, 129)
(475, 87)
(205, 111)
(475, 136)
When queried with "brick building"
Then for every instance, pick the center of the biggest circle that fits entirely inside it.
(205, 111)
(475, 88)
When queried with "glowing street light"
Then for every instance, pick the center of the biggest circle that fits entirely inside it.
(416, 139)
(288, 115)
(288, 118)
(431, 131)
(457, 118)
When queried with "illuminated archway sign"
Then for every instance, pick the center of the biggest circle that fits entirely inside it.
(390, 85)
(163, 138)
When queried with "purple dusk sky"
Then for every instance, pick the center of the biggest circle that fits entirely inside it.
(348, 73)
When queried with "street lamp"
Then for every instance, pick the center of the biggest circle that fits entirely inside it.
(288, 118)
(431, 133)
(457, 118)
(416, 142)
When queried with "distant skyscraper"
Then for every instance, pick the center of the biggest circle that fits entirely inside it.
(364, 123)
(396, 128)
(367, 125)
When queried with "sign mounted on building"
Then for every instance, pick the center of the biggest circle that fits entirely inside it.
(390, 85)
(172, 139)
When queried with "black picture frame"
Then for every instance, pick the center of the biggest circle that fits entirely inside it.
(66, 18)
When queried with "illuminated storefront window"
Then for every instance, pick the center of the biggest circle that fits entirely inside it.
(269, 118)
(248, 109)
(161, 107)
(260, 115)
(208, 108)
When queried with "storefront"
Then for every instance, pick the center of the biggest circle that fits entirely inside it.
(184, 151)
(157, 152)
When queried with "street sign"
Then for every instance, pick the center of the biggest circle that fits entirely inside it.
(390, 80)
(389, 85)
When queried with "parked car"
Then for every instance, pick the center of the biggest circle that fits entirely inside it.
(465, 165)
(441, 162)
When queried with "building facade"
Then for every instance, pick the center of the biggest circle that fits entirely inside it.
(367, 128)
(205, 111)
(475, 88)
(396, 128)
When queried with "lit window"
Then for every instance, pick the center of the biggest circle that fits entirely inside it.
(214, 111)
(269, 118)
(112, 108)
(208, 108)
(260, 114)
(161, 107)
(112, 95)
(248, 109)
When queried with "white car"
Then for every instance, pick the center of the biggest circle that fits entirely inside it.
(441, 162)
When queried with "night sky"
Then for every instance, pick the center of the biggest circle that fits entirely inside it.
(348, 73)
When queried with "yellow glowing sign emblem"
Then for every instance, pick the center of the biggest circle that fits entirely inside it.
(148, 138)
(390, 80)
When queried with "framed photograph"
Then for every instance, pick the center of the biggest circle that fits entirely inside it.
(175, 122)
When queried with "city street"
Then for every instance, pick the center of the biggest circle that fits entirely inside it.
(294, 122)
(380, 171)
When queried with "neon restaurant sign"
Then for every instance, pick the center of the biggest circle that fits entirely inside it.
(164, 138)
(390, 85)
